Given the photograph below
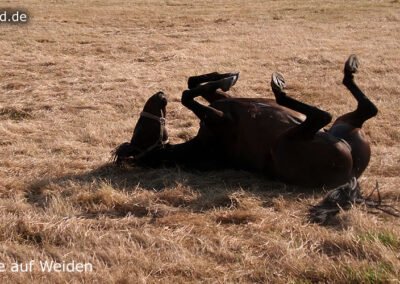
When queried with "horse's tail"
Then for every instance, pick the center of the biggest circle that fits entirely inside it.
(122, 152)
(342, 197)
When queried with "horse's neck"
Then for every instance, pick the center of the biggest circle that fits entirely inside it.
(181, 153)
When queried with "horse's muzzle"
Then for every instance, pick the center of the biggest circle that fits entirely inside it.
(162, 98)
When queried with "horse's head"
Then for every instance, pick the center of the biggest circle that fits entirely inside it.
(150, 132)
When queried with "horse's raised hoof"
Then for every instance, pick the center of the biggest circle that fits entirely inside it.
(277, 82)
(227, 83)
(351, 65)
(236, 75)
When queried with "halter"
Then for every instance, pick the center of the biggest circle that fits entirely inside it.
(159, 142)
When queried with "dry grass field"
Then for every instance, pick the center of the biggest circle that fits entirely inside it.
(72, 84)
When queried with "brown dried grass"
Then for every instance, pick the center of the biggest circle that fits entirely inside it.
(73, 82)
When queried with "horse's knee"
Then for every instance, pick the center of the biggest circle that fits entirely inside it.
(319, 118)
(186, 98)
(325, 117)
(192, 82)
(367, 109)
(195, 81)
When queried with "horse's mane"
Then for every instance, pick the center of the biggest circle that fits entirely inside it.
(123, 150)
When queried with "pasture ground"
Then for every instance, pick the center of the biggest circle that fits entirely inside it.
(72, 84)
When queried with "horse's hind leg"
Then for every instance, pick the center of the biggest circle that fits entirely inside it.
(304, 156)
(215, 95)
(206, 113)
(348, 126)
(315, 118)
(365, 108)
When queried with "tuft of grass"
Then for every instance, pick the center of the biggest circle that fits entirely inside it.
(238, 216)
(14, 114)
(389, 239)
(386, 238)
(369, 274)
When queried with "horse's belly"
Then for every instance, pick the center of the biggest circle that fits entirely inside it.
(247, 142)
(317, 162)
(251, 143)
(358, 141)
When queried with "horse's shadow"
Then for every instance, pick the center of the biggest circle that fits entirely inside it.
(205, 190)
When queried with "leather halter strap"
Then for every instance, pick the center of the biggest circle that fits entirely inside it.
(153, 117)
(159, 142)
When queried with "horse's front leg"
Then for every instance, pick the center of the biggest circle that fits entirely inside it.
(212, 94)
(207, 114)
(195, 81)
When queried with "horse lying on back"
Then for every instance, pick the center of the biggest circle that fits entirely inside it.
(283, 138)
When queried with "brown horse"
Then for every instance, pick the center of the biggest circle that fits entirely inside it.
(282, 138)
